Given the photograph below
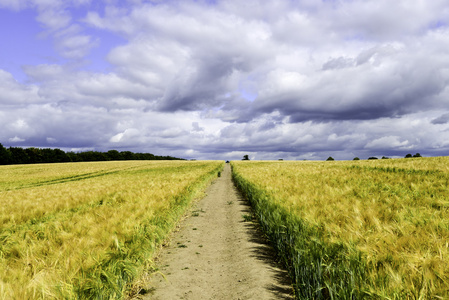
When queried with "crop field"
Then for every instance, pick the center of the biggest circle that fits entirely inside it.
(356, 229)
(89, 230)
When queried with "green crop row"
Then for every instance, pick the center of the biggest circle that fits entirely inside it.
(66, 234)
(352, 230)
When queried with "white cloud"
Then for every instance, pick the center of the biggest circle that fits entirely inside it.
(392, 142)
(53, 18)
(70, 43)
(271, 79)
(14, 93)
(51, 140)
(16, 139)
(15, 5)
(125, 136)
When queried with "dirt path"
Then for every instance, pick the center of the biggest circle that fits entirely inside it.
(218, 255)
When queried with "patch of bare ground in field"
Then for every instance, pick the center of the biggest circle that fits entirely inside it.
(219, 253)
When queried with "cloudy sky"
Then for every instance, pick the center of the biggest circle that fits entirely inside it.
(303, 79)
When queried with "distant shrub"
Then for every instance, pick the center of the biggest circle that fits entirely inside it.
(408, 156)
(330, 158)
(356, 158)
(384, 157)
(372, 157)
(417, 155)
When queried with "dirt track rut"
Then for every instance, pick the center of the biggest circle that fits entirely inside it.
(217, 254)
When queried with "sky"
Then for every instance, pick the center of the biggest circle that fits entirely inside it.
(219, 79)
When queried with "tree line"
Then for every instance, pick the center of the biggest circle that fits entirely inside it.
(409, 155)
(17, 155)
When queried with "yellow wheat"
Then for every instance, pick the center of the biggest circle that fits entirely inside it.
(396, 212)
(61, 220)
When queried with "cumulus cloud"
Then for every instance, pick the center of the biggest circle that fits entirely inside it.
(389, 141)
(72, 44)
(15, 139)
(276, 79)
(12, 92)
(125, 136)
(209, 58)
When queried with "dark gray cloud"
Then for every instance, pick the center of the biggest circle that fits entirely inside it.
(220, 79)
(443, 119)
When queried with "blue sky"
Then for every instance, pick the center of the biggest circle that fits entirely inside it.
(221, 79)
(20, 42)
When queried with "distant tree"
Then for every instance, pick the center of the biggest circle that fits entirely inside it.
(356, 158)
(408, 156)
(150, 156)
(60, 156)
(114, 155)
(372, 157)
(330, 158)
(73, 156)
(384, 157)
(245, 157)
(5, 156)
(34, 155)
(127, 155)
(18, 155)
(92, 156)
(139, 156)
(48, 155)
(417, 155)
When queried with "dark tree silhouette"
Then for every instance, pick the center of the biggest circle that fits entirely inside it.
(4, 155)
(16, 155)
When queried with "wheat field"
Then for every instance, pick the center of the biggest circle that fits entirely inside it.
(89, 230)
(356, 229)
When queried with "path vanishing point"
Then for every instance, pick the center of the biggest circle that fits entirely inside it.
(217, 254)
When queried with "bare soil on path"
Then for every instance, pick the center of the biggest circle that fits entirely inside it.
(219, 254)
